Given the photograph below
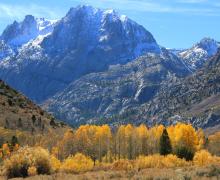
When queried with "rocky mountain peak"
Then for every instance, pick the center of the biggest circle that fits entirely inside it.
(208, 44)
(18, 34)
(198, 54)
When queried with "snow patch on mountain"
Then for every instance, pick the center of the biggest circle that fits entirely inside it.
(18, 34)
(196, 56)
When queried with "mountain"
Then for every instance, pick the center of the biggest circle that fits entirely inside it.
(116, 91)
(97, 66)
(18, 34)
(196, 56)
(147, 90)
(86, 40)
(19, 113)
(194, 99)
(5, 50)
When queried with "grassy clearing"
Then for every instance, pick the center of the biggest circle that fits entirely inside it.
(188, 173)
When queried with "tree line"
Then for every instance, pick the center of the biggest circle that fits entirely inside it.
(129, 142)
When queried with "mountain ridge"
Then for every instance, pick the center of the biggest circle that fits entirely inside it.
(94, 64)
(72, 50)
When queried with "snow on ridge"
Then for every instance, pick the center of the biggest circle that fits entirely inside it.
(45, 23)
(199, 53)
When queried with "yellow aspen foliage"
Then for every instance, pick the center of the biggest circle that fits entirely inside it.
(5, 150)
(201, 139)
(1, 154)
(108, 158)
(94, 141)
(66, 146)
(129, 140)
(171, 161)
(203, 158)
(55, 152)
(103, 139)
(154, 138)
(152, 161)
(122, 164)
(183, 135)
(142, 138)
(214, 143)
(158, 161)
(171, 132)
(55, 163)
(121, 142)
(77, 163)
(32, 171)
(16, 147)
(18, 163)
(142, 131)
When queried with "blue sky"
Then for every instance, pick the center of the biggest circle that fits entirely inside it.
(174, 23)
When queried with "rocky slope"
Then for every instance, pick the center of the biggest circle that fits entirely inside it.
(96, 66)
(147, 90)
(195, 99)
(19, 113)
(116, 91)
(86, 40)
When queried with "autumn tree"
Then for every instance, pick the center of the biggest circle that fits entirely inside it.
(154, 138)
(93, 141)
(142, 139)
(66, 146)
(120, 142)
(214, 143)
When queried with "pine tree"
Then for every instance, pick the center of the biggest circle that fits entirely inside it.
(165, 144)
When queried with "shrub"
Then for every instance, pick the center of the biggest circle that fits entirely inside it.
(19, 162)
(122, 165)
(157, 161)
(203, 158)
(32, 171)
(184, 152)
(42, 160)
(173, 161)
(153, 161)
(77, 163)
(55, 163)
(10, 103)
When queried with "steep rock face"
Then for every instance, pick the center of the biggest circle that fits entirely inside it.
(196, 56)
(18, 34)
(5, 50)
(116, 91)
(86, 40)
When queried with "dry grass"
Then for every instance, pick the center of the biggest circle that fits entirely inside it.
(189, 173)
